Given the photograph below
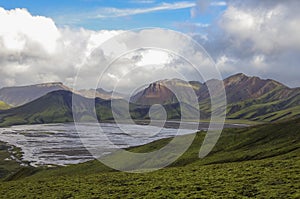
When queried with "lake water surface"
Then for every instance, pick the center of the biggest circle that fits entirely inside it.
(61, 144)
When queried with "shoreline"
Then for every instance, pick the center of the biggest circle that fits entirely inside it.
(187, 125)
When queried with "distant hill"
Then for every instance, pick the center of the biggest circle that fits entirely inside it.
(56, 107)
(20, 95)
(100, 93)
(53, 107)
(17, 96)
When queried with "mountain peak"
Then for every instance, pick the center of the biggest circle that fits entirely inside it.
(236, 78)
(251, 80)
(163, 92)
(240, 87)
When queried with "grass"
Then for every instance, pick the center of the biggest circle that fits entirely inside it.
(4, 106)
(283, 114)
(270, 178)
(253, 162)
(8, 166)
(254, 110)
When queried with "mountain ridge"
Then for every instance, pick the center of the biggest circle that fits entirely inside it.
(20, 95)
(249, 98)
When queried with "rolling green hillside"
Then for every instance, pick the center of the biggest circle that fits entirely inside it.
(53, 107)
(255, 162)
(261, 109)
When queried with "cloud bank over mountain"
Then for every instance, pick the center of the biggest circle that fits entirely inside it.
(259, 38)
(254, 37)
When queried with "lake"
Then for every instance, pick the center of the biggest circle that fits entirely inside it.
(61, 144)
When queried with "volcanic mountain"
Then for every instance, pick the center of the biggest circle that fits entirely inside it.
(166, 92)
(247, 97)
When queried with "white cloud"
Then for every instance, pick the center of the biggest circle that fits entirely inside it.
(34, 50)
(99, 37)
(18, 26)
(218, 3)
(258, 38)
(154, 57)
(116, 12)
(269, 29)
(261, 36)
(111, 12)
(30, 61)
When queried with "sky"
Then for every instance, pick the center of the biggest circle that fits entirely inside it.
(44, 41)
(117, 14)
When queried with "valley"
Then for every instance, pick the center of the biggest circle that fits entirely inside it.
(146, 99)
(260, 161)
(257, 154)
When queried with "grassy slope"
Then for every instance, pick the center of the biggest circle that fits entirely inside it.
(56, 107)
(7, 165)
(49, 108)
(4, 106)
(269, 107)
(261, 161)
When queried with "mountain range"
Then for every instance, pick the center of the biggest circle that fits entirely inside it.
(248, 98)
(17, 96)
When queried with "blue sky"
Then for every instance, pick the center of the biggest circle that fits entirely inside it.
(119, 14)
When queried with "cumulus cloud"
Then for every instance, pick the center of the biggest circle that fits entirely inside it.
(268, 29)
(28, 56)
(146, 56)
(19, 30)
(258, 38)
(34, 50)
